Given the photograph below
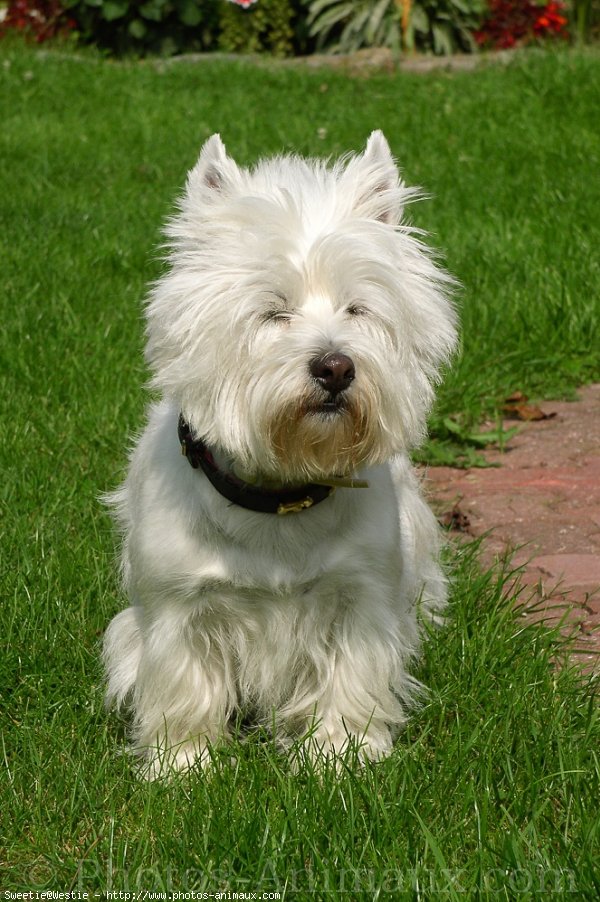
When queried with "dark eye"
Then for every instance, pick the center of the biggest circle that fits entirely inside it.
(356, 310)
(276, 316)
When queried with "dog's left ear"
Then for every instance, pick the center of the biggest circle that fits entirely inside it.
(215, 172)
(376, 181)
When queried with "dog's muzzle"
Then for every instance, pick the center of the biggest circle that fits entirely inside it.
(334, 373)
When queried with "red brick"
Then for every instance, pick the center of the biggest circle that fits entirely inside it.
(545, 495)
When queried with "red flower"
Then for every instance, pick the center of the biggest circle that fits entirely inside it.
(42, 19)
(551, 19)
(519, 21)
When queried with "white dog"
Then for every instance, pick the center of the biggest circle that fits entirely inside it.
(277, 566)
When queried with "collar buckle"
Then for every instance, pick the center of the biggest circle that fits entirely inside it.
(294, 507)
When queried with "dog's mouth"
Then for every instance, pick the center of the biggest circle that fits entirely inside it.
(330, 406)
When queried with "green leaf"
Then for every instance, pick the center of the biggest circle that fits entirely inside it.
(419, 20)
(453, 427)
(463, 5)
(154, 10)
(137, 29)
(114, 9)
(379, 12)
(328, 19)
(497, 436)
(442, 39)
(319, 5)
(169, 46)
(360, 21)
(189, 13)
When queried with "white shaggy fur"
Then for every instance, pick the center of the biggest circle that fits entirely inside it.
(306, 621)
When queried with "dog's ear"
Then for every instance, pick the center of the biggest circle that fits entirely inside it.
(377, 152)
(376, 181)
(214, 171)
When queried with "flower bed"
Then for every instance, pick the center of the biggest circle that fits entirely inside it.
(288, 27)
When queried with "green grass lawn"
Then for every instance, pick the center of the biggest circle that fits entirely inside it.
(493, 789)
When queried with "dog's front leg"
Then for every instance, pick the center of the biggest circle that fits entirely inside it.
(183, 694)
(361, 686)
(349, 714)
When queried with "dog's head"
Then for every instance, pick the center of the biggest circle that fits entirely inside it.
(300, 326)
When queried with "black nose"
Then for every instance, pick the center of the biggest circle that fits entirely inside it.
(333, 372)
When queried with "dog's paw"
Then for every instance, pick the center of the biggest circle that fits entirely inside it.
(159, 763)
(340, 746)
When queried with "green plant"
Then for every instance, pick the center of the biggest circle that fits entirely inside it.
(149, 26)
(585, 19)
(441, 26)
(343, 26)
(266, 25)
(454, 444)
(444, 26)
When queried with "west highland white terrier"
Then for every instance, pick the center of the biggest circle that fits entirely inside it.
(280, 565)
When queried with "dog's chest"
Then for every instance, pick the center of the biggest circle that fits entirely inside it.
(285, 564)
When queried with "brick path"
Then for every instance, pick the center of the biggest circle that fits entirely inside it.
(546, 495)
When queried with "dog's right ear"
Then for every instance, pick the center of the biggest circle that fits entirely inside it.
(214, 170)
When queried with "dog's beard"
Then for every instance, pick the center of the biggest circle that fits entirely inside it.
(314, 438)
